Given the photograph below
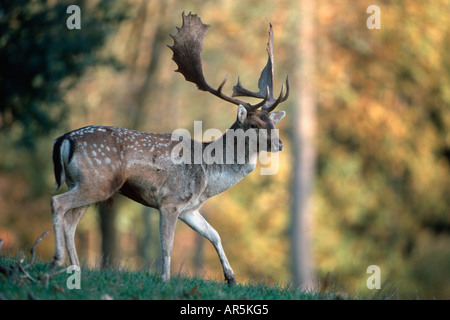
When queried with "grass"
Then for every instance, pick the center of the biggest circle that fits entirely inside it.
(122, 284)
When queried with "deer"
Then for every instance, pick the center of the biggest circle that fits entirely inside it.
(97, 162)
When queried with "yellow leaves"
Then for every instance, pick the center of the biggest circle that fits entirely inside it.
(382, 126)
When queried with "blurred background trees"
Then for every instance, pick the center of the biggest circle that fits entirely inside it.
(382, 141)
(41, 61)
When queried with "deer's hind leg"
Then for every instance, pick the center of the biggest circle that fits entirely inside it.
(67, 210)
(71, 219)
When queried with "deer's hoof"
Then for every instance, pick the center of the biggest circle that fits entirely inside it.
(231, 281)
(56, 263)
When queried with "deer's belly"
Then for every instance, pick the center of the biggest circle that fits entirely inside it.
(141, 191)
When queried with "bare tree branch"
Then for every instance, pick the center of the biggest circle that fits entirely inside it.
(18, 267)
(33, 249)
(21, 268)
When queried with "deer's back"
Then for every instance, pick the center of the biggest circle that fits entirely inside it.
(137, 164)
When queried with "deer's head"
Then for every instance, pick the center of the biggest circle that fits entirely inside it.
(187, 48)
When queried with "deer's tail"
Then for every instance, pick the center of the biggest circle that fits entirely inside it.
(62, 147)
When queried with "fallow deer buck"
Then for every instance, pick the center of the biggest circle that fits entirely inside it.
(97, 161)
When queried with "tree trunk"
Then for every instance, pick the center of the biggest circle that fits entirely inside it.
(107, 214)
(304, 150)
(199, 255)
(149, 249)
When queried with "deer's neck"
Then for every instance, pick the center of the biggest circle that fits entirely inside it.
(228, 159)
(235, 149)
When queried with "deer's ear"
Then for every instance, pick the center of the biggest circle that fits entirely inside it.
(242, 113)
(277, 116)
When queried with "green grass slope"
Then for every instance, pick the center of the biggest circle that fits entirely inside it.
(120, 284)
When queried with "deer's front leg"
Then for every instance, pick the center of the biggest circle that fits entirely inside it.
(197, 222)
(167, 222)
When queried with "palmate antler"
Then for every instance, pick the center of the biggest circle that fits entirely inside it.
(187, 49)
